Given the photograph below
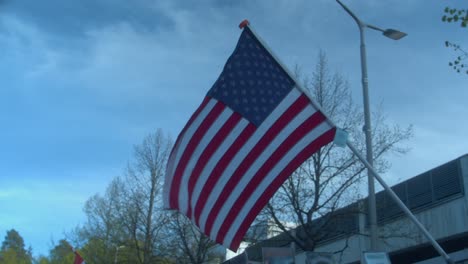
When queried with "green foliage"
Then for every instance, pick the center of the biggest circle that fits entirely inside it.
(98, 251)
(13, 240)
(62, 253)
(454, 15)
(42, 260)
(457, 64)
(13, 250)
(10, 256)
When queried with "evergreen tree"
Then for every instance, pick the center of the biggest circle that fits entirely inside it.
(62, 253)
(13, 250)
(42, 260)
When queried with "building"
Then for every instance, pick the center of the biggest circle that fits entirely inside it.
(436, 197)
(259, 232)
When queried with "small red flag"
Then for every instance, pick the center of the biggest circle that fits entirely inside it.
(78, 259)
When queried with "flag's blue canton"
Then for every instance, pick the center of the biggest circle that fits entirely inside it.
(252, 83)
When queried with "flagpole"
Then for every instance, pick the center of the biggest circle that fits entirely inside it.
(405, 209)
(401, 204)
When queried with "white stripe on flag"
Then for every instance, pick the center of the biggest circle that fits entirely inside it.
(286, 159)
(233, 135)
(239, 157)
(247, 177)
(176, 155)
(210, 133)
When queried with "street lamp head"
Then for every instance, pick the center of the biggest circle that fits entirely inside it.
(394, 34)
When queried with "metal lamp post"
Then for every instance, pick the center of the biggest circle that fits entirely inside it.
(393, 34)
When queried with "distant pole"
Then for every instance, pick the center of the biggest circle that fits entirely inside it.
(116, 253)
(372, 211)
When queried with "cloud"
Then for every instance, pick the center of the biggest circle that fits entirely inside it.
(73, 18)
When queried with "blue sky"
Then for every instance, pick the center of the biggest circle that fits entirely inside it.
(84, 81)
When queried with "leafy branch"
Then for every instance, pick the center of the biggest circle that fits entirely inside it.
(454, 15)
(457, 63)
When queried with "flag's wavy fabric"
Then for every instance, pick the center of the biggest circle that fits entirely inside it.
(252, 130)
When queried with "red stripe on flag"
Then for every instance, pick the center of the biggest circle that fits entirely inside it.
(272, 132)
(191, 146)
(313, 147)
(172, 156)
(208, 152)
(308, 125)
(219, 170)
(189, 123)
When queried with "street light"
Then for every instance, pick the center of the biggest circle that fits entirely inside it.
(396, 35)
(389, 33)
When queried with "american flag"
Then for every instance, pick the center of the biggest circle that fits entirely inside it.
(252, 130)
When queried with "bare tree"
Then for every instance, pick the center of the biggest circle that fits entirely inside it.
(99, 235)
(144, 176)
(129, 221)
(332, 177)
(157, 233)
(130, 215)
(189, 244)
